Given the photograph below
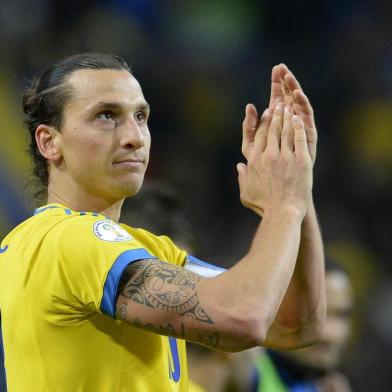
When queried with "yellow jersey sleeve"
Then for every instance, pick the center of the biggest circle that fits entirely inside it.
(89, 256)
(161, 246)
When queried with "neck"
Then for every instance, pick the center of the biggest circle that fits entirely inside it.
(81, 200)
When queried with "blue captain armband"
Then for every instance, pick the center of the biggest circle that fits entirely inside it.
(108, 305)
(202, 268)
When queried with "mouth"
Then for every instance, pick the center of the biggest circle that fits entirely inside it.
(130, 163)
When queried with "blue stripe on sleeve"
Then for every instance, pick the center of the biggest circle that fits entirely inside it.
(204, 264)
(110, 288)
(202, 268)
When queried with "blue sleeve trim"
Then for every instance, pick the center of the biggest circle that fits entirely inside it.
(204, 263)
(202, 268)
(108, 304)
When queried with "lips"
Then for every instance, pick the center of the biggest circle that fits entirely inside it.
(131, 163)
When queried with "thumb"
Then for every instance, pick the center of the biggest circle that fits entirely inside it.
(242, 173)
(249, 127)
(251, 117)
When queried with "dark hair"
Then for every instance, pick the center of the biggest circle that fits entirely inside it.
(44, 100)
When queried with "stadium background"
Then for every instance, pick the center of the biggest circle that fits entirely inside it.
(199, 63)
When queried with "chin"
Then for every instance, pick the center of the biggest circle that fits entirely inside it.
(131, 189)
(118, 188)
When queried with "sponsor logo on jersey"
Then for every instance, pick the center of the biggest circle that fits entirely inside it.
(110, 231)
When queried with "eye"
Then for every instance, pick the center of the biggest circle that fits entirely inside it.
(106, 115)
(141, 117)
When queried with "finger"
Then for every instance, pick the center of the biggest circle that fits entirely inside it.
(287, 93)
(302, 102)
(303, 108)
(287, 138)
(249, 127)
(300, 141)
(291, 81)
(242, 173)
(262, 132)
(277, 74)
(275, 128)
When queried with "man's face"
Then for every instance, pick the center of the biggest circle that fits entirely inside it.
(104, 139)
(326, 354)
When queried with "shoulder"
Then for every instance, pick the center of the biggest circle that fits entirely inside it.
(162, 246)
(148, 236)
(86, 235)
(91, 226)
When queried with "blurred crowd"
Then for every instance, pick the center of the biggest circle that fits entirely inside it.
(199, 63)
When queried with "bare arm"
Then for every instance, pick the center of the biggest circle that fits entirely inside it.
(231, 312)
(164, 298)
(234, 310)
(302, 313)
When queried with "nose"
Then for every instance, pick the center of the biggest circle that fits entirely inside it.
(132, 136)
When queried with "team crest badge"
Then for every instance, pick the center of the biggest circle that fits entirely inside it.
(111, 232)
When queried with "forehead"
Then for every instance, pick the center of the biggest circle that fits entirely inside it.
(94, 85)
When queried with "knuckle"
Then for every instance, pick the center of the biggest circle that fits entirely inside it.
(252, 161)
(271, 156)
(286, 158)
(303, 161)
(300, 139)
(263, 134)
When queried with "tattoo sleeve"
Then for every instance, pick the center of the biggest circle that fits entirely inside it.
(163, 286)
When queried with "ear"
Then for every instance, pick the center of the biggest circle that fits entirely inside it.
(47, 139)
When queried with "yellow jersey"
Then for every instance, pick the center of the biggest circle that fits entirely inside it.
(59, 272)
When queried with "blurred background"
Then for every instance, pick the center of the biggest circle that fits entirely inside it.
(199, 63)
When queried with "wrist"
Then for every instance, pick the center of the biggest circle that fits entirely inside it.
(310, 210)
(286, 211)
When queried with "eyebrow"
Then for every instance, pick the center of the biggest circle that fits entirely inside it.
(117, 106)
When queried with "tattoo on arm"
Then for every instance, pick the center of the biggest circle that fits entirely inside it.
(162, 286)
(211, 340)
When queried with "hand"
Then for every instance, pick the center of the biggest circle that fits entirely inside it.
(284, 88)
(279, 169)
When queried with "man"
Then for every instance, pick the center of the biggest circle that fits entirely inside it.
(88, 304)
(315, 368)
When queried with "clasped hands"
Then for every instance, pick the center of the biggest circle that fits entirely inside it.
(280, 149)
